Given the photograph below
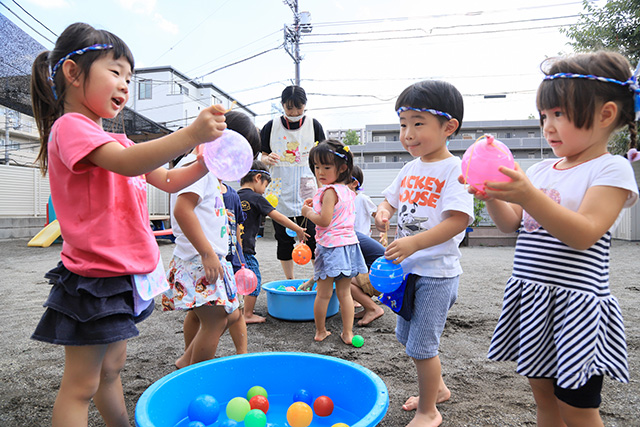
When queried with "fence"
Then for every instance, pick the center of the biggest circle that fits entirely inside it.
(25, 193)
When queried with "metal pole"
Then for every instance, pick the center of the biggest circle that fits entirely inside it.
(6, 136)
(296, 25)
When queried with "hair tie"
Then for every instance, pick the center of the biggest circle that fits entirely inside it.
(631, 83)
(357, 183)
(54, 70)
(425, 110)
(259, 171)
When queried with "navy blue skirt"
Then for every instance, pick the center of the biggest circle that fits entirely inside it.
(88, 311)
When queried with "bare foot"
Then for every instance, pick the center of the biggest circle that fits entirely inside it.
(356, 304)
(426, 420)
(320, 336)
(370, 315)
(182, 362)
(412, 403)
(254, 318)
(347, 339)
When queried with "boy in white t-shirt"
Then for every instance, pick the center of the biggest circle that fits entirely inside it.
(365, 208)
(433, 212)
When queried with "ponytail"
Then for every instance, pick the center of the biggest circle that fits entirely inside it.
(46, 109)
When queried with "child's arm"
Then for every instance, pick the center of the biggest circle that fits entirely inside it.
(184, 213)
(401, 249)
(383, 215)
(323, 219)
(172, 180)
(579, 229)
(145, 157)
(286, 222)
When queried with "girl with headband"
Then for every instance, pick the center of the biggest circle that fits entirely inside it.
(111, 266)
(559, 321)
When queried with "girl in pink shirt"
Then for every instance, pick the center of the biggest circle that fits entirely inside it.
(111, 267)
(338, 255)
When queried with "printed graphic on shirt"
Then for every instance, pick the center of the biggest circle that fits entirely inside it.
(421, 190)
(410, 224)
(530, 224)
(292, 153)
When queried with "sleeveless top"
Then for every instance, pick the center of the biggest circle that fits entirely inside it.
(341, 231)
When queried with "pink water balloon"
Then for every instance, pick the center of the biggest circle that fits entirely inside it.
(229, 157)
(482, 159)
(246, 281)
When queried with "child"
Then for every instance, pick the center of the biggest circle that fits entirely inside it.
(433, 212)
(559, 321)
(365, 208)
(252, 187)
(338, 256)
(242, 124)
(98, 185)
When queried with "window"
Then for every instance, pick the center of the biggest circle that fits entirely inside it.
(531, 134)
(379, 159)
(144, 89)
(379, 138)
(357, 160)
(467, 136)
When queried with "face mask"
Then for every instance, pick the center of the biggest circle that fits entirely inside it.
(294, 118)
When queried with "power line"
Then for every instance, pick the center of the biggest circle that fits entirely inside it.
(25, 23)
(34, 18)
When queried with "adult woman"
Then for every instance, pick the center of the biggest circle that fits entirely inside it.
(286, 143)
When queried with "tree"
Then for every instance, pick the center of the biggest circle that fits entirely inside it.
(614, 26)
(351, 138)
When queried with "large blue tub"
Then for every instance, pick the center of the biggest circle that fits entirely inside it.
(297, 306)
(360, 397)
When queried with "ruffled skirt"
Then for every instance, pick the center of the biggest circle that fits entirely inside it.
(555, 332)
(345, 261)
(88, 311)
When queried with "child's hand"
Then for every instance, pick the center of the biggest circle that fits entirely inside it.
(305, 210)
(518, 190)
(209, 124)
(212, 267)
(271, 159)
(382, 219)
(302, 235)
(401, 249)
(480, 195)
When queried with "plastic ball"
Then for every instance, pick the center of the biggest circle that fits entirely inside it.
(290, 232)
(256, 390)
(301, 254)
(196, 424)
(290, 288)
(273, 199)
(303, 395)
(237, 408)
(228, 157)
(482, 159)
(299, 414)
(281, 288)
(340, 425)
(246, 280)
(227, 423)
(385, 276)
(259, 402)
(204, 408)
(323, 406)
(357, 341)
(255, 418)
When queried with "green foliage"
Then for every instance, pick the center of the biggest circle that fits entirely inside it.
(351, 138)
(614, 26)
(478, 212)
(619, 142)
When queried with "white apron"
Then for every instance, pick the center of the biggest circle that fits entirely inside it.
(292, 179)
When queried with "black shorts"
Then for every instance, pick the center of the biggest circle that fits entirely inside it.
(587, 396)
(286, 242)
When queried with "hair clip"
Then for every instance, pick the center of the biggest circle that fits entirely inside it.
(425, 110)
(315, 144)
(54, 70)
(346, 148)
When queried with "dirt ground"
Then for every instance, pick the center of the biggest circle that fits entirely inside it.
(484, 393)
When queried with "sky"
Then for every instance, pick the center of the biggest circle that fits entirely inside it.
(357, 59)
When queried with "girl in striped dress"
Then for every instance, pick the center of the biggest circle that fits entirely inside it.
(559, 321)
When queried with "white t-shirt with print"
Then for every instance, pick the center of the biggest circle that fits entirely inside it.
(423, 194)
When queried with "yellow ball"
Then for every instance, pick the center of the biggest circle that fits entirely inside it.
(299, 415)
(340, 425)
(273, 199)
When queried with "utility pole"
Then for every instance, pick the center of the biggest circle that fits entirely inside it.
(292, 35)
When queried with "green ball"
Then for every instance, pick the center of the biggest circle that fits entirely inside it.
(256, 390)
(357, 341)
(255, 418)
(237, 408)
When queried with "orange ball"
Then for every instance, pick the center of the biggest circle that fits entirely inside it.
(299, 415)
(301, 254)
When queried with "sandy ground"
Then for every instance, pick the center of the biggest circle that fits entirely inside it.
(484, 393)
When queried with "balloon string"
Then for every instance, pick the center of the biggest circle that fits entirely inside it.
(228, 109)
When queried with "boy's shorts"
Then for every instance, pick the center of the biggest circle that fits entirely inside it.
(434, 298)
(251, 262)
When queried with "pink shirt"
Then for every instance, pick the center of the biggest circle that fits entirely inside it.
(103, 216)
(340, 231)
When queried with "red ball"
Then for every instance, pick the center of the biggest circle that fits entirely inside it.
(259, 402)
(323, 406)
(301, 254)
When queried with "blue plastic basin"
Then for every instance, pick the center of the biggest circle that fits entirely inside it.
(359, 396)
(297, 305)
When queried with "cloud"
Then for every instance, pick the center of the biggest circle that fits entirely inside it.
(165, 24)
(149, 8)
